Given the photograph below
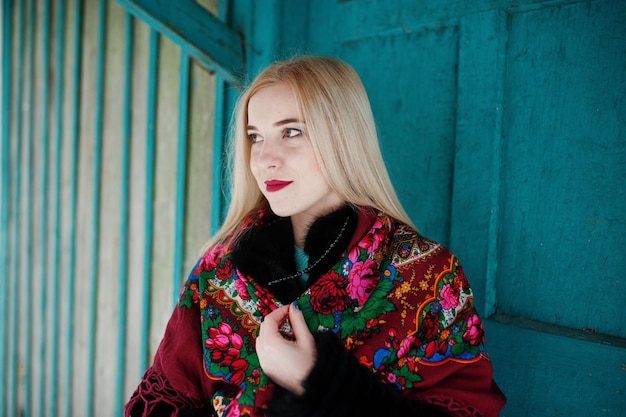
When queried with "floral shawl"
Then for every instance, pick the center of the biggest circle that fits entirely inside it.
(398, 302)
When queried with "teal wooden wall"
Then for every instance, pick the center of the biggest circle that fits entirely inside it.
(502, 123)
(504, 126)
(511, 118)
(106, 183)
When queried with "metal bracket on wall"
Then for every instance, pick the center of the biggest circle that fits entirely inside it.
(199, 33)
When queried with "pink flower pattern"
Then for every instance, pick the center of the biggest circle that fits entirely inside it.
(449, 296)
(361, 280)
(475, 332)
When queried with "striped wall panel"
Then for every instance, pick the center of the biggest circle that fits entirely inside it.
(106, 184)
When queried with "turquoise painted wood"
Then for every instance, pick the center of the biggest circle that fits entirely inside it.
(144, 359)
(198, 32)
(44, 161)
(47, 366)
(563, 198)
(54, 290)
(554, 373)
(15, 237)
(224, 98)
(29, 180)
(120, 399)
(96, 181)
(183, 105)
(4, 191)
(502, 123)
(503, 126)
(72, 205)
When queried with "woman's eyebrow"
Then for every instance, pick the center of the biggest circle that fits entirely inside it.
(279, 123)
(287, 121)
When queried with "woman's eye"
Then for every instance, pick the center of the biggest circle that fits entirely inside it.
(290, 133)
(254, 138)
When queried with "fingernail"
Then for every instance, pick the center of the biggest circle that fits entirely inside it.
(295, 305)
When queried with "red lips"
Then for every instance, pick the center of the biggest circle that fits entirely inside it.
(276, 185)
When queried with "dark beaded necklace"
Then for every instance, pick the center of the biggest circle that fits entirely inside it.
(314, 264)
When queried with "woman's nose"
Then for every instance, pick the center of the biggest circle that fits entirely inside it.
(270, 154)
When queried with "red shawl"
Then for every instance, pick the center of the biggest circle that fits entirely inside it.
(398, 302)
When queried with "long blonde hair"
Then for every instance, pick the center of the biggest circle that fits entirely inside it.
(337, 112)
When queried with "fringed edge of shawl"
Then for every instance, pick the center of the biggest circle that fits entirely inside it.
(155, 396)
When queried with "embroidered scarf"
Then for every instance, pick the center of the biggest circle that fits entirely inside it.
(397, 301)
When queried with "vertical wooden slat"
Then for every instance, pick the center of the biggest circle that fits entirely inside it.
(219, 134)
(124, 196)
(43, 243)
(7, 14)
(50, 367)
(95, 199)
(181, 169)
(495, 219)
(220, 129)
(164, 197)
(29, 338)
(149, 196)
(474, 122)
(73, 169)
(53, 339)
(200, 34)
(16, 232)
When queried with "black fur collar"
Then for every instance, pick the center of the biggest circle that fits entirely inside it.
(266, 252)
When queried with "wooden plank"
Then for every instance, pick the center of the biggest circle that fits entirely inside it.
(415, 122)
(475, 212)
(546, 374)
(196, 31)
(44, 190)
(563, 234)
(72, 203)
(4, 184)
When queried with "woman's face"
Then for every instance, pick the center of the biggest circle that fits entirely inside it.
(282, 159)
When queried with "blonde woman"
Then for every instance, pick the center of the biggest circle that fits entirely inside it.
(318, 297)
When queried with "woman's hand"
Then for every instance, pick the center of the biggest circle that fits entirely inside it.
(286, 360)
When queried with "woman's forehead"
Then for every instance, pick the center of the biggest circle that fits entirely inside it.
(273, 104)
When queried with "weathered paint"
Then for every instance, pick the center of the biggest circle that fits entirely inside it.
(197, 31)
(149, 196)
(44, 162)
(89, 170)
(68, 384)
(29, 203)
(16, 238)
(502, 123)
(479, 93)
(548, 371)
(4, 200)
(124, 213)
(55, 282)
(94, 224)
(181, 178)
(563, 193)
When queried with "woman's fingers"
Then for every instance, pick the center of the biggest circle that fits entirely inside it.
(301, 331)
(274, 321)
(286, 354)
